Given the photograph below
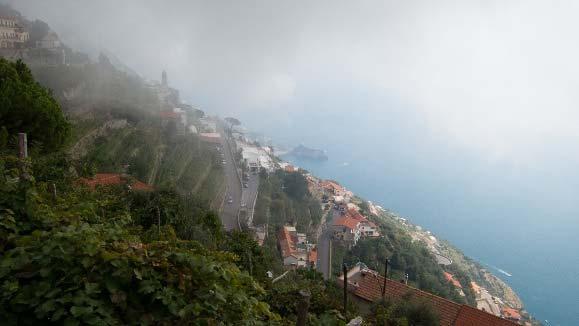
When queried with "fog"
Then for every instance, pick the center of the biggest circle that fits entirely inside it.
(462, 113)
(497, 77)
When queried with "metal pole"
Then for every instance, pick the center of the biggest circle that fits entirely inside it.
(345, 271)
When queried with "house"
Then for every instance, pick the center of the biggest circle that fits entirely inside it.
(290, 168)
(295, 250)
(333, 188)
(347, 228)
(210, 137)
(49, 41)
(110, 179)
(511, 314)
(367, 287)
(368, 229)
(352, 225)
(12, 34)
(450, 278)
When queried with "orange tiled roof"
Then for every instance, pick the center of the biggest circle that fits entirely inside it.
(332, 185)
(469, 316)
(369, 288)
(449, 277)
(169, 115)
(347, 221)
(511, 313)
(313, 256)
(108, 179)
(356, 215)
(286, 243)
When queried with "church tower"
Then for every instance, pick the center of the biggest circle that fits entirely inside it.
(164, 79)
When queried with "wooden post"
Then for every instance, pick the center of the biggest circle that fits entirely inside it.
(303, 307)
(345, 271)
(22, 145)
(53, 188)
(159, 222)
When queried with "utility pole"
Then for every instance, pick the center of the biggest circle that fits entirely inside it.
(303, 307)
(159, 222)
(345, 271)
(385, 277)
(23, 155)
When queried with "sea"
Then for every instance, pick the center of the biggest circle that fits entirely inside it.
(521, 222)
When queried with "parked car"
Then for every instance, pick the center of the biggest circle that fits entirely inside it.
(245, 185)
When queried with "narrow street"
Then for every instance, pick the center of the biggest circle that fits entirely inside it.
(232, 201)
(324, 264)
(249, 195)
(324, 255)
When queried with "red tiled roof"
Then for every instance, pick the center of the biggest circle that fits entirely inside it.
(449, 277)
(332, 185)
(356, 215)
(469, 316)
(210, 137)
(313, 256)
(108, 179)
(369, 288)
(169, 114)
(286, 243)
(511, 313)
(347, 221)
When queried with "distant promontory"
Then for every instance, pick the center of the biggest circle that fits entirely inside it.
(304, 152)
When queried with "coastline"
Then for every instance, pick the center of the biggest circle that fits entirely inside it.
(493, 293)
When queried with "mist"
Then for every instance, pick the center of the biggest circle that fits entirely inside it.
(496, 77)
(469, 108)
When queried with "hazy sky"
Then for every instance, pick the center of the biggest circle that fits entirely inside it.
(497, 77)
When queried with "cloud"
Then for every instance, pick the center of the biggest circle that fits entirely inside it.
(497, 77)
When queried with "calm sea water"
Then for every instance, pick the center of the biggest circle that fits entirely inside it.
(522, 223)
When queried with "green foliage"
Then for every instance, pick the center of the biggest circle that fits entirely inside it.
(284, 198)
(79, 261)
(295, 183)
(404, 312)
(232, 121)
(325, 296)
(406, 256)
(25, 106)
(101, 86)
(250, 256)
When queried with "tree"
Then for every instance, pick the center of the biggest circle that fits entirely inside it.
(25, 106)
(296, 185)
(406, 311)
(232, 122)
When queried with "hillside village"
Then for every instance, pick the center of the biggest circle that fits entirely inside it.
(348, 224)
(165, 147)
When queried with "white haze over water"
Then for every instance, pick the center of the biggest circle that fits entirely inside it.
(467, 109)
(498, 77)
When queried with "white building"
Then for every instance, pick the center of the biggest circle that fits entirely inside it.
(12, 34)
